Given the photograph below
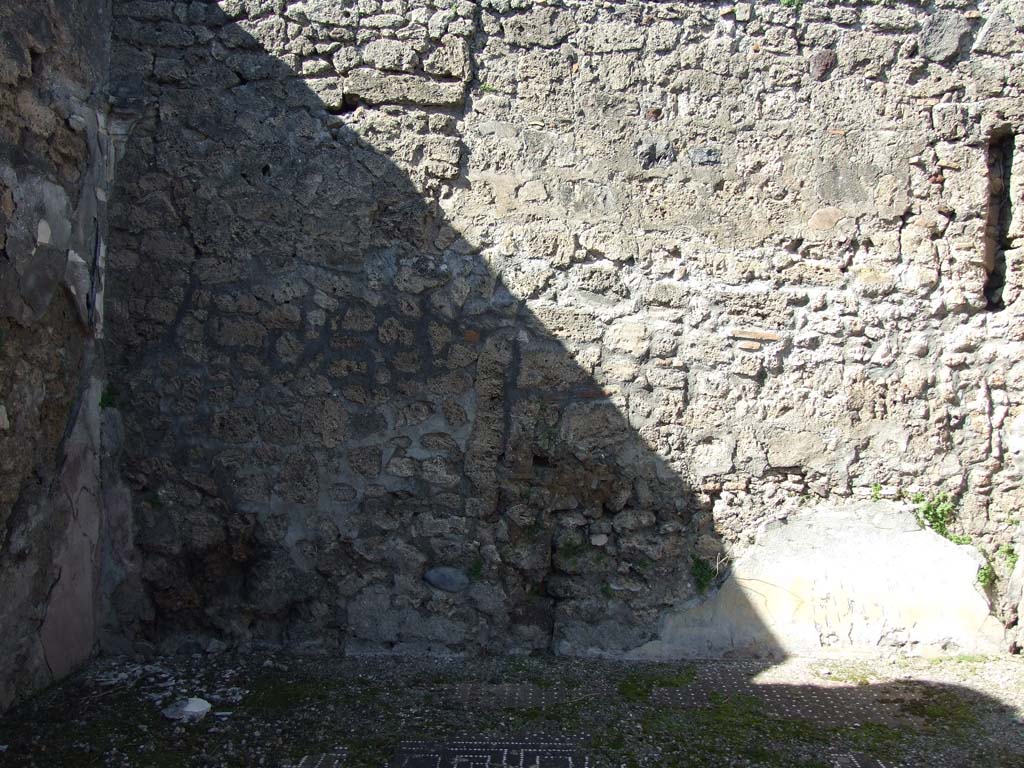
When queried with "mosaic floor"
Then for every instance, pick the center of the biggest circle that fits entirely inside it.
(278, 711)
(483, 754)
(333, 759)
(839, 706)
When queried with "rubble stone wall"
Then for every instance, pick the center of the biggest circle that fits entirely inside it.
(450, 325)
(55, 172)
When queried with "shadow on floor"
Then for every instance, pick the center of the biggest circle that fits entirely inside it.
(381, 711)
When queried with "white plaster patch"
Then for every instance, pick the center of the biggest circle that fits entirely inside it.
(839, 578)
(43, 232)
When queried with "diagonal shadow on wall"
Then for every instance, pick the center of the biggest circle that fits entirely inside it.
(327, 392)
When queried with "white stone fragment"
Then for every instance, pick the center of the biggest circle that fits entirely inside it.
(188, 710)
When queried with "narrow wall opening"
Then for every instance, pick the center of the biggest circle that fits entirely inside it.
(997, 225)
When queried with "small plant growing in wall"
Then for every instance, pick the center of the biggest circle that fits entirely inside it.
(987, 575)
(703, 573)
(1007, 552)
(937, 513)
(876, 491)
(109, 397)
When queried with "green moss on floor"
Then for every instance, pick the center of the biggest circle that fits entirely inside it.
(850, 672)
(733, 727)
(942, 710)
(639, 686)
(299, 707)
(275, 695)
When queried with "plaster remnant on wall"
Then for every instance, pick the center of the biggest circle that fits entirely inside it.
(831, 578)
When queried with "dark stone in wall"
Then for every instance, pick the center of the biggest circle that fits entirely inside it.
(447, 578)
(705, 156)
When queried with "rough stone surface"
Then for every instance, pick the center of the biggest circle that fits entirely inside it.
(943, 35)
(55, 167)
(400, 285)
(850, 579)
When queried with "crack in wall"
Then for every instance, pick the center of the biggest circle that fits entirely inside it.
(999, 215)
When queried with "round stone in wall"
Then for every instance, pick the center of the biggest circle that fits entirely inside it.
(447, 579)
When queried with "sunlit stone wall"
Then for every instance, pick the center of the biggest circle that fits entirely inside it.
(453, 326)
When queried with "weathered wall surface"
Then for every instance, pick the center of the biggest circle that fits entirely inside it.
(558, 295)
(842, 577)
(327, 390)
(54, 175)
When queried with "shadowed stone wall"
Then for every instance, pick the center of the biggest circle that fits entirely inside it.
(55, 170)
(329, 392)
(561, 296)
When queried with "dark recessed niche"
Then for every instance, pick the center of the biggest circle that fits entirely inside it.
(997, 220)
(349, 103)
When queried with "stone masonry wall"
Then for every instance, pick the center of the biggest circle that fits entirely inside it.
(54, 176)
(455, 326)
